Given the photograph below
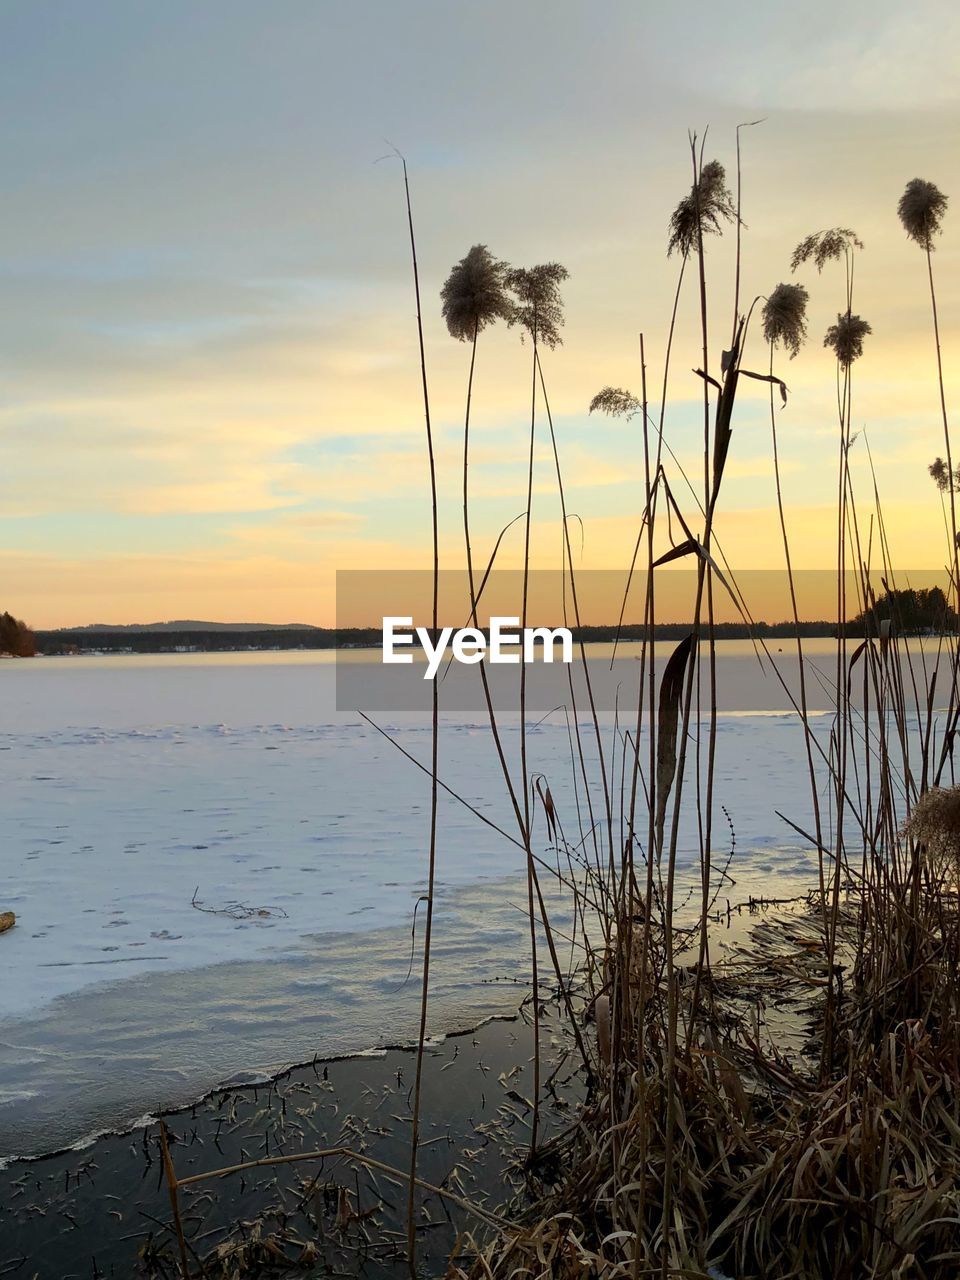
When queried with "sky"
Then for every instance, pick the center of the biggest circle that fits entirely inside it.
(210, 391)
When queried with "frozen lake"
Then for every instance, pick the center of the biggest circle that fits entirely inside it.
(136, 789)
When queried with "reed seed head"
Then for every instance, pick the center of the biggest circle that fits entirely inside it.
(785, 317)
(616, 402)
(935, 823)
(703, 211)
(474, 295)
(940, 474)
(921, 209)
(538, 307)
(825, 246)
(846, 337)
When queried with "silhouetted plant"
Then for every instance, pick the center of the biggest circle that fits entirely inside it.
(616, 402)
(825, 246)
(703, 211)
(845, 338)
(785, 317)
(538, 308)
(921, 209)
(474, 295)
(434, 744)
(940, 473)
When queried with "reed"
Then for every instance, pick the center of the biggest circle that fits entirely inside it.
(474, 297)
(921, 210)
(538, 309)
(434, 750)
(784, 317)
(705, 1147)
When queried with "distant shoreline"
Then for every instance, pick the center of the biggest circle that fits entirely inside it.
(232, 639)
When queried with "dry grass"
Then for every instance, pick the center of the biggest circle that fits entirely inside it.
(775, 1173)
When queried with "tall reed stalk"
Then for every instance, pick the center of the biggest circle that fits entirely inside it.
(921, 210)
(434, 755)
(539, 312)
(785, 324)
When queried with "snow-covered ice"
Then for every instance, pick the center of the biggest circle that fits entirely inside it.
(131, 783)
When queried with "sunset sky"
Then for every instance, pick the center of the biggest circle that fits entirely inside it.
(208, 362)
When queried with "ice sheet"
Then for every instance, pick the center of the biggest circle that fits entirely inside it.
(132, 785)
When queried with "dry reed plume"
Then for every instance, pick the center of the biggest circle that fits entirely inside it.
(825, 246)
(784, 317)
(538, 306)
(845, 338)
(921, 209)
(474, 295)
(703, 211)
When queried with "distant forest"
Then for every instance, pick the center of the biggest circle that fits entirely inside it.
(200, 640)
(907, 612)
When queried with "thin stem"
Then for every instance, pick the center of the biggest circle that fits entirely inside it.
(524, 775)
(435, 737)
(800, 662)
(466, 464)
(946, 430)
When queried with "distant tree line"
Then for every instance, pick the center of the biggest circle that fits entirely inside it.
(909, 612)
(721, 631)
(16, 638)
(85, 640)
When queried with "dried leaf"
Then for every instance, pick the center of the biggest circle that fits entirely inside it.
(686, 548)
(768, 377)
(671, 691)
